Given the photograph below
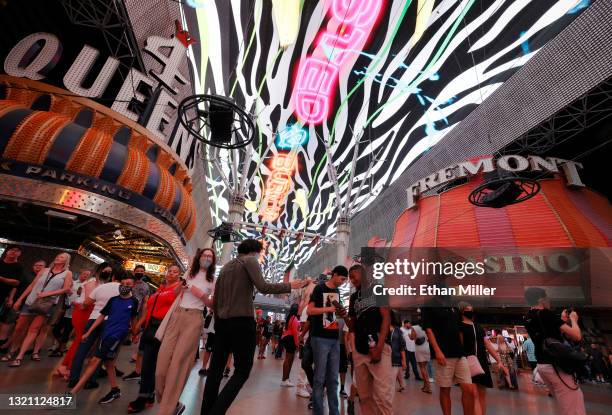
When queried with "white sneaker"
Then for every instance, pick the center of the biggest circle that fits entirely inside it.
(302, 393)
(287, 383)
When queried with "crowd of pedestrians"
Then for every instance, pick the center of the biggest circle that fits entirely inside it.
(89, 317)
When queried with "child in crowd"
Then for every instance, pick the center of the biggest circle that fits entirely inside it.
(120, 312)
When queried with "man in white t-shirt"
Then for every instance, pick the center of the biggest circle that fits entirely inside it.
(410, 352)
(108, 288)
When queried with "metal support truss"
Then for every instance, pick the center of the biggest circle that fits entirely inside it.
(591, 108)
(286, 232)
(111, 18)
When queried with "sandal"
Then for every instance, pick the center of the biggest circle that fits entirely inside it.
(7, 357)
(35, 357)
(15, 363)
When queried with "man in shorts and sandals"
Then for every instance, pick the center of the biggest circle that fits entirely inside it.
(441, 323)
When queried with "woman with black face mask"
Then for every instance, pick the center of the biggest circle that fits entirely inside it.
(476, 344)
(98, 298)
(180, 337)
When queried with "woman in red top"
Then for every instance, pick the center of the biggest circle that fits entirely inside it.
(290, 341)
(155, 309)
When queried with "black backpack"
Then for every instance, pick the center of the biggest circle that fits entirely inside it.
(566, 357)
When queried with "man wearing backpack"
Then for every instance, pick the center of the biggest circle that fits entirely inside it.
(543, 325)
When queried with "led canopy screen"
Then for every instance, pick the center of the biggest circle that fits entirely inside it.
(391, 76)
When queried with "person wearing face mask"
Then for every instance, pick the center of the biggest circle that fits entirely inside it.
(63, 328)
(108, 288)
(118, 315)
(181, 336)
(477, 343)
(153, 313)
(140, 293)
(141, 288)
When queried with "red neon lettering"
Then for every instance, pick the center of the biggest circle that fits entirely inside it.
(356, 12)
(343, 46)
(315, 83)
(284, 162)
(278, 185)
(347, 31)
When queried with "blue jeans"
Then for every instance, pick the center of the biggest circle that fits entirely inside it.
(83, 351)
(326, 370)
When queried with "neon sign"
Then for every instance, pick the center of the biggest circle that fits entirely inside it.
(291, 138)
(280, 180)
(350, 24)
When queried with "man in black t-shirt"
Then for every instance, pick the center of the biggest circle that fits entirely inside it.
(11, 274)
(324, 339)
(373, 371)
(542, 323)
(441, 323)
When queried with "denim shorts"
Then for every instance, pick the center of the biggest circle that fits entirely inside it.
(25, 310)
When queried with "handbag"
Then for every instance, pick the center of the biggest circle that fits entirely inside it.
(59, 311)
(42, 306)
(473, 362)
(161, 330)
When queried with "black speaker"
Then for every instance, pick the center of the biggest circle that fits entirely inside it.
(502, 194)
(220, 120)
(225, 232)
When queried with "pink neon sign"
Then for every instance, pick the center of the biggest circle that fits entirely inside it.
(350, 24)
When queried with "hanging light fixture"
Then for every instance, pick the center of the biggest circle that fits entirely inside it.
(286, 20)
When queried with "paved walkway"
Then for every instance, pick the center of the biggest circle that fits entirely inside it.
(262, 394)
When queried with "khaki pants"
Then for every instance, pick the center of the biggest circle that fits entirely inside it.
(569, 401)
(375, 383)
(177, 356)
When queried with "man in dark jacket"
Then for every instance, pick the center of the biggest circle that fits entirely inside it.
(235, 323)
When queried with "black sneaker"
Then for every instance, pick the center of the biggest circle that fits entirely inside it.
(132, 376)
(180, 408)
(226, 373)
(91, 385)
(114, 393)
(202, 372)
(343, 393)
(139, 405)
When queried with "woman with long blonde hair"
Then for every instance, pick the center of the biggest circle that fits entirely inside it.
(36, 304)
